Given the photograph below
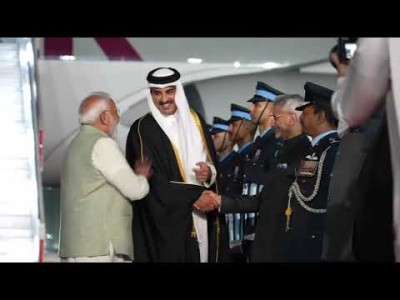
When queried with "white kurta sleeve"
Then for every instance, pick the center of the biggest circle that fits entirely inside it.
(343, 127)
(109, 160)
(366, 82)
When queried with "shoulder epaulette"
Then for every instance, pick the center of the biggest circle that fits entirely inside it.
(334, 140)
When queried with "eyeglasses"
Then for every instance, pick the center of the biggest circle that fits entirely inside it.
(275, 117)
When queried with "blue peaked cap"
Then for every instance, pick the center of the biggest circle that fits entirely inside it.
(317, 95)
(219, 125)
(264, 92)
(239, 113)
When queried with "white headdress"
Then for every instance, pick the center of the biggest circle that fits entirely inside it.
(180, 128)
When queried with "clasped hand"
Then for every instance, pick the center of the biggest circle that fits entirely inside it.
(208, 201)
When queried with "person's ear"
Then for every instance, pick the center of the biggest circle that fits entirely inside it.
(321, 117)
(292, 119)
(103, 118)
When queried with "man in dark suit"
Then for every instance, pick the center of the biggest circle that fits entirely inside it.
(270, 203)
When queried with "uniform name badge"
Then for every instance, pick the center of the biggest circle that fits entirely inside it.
(308, 168)
(257, 155)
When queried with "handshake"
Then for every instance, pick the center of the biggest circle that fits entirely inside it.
(208, 201)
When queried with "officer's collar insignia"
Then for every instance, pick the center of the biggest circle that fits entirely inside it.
(312, 157)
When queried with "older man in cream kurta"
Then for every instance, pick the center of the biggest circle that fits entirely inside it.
(96, 186)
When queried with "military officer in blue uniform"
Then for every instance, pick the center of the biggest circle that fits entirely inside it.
(241, 132)
(308, 195)
(226, 154)
(266, 144)
(227, 157)
(262, 157)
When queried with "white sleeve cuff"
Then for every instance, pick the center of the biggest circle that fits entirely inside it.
(213, 176)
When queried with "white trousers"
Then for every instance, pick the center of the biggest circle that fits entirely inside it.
(112, 257)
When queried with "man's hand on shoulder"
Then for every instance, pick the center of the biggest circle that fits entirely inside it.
(143, 167)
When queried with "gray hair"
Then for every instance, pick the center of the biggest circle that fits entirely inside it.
(89, 115)
(289, 103)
